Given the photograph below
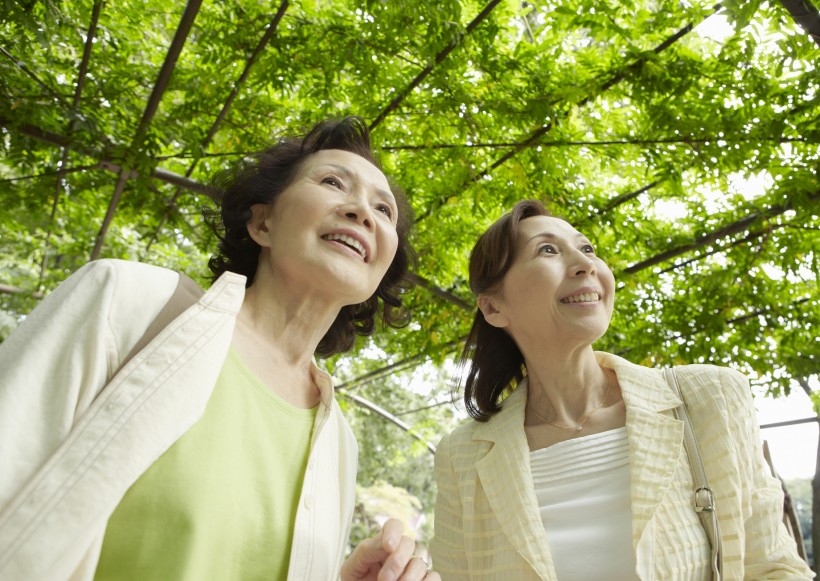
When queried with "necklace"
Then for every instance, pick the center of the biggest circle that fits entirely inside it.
(580, 425)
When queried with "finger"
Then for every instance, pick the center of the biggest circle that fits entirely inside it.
(391, 534)
(432, 576)
(415, 570)
(367, 555)
(396, 563)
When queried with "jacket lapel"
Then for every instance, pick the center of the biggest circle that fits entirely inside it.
(506, 478)
(655, 445)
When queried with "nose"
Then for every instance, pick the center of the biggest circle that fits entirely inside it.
(358, 210)
(581, 263)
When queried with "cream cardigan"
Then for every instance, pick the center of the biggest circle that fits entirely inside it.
(487, 523)
(64, 465)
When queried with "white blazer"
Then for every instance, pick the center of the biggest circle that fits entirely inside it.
(65, 465)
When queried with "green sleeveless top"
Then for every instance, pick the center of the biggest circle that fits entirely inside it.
(221, 502)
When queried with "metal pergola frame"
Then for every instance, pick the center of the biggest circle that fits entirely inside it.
(803, 13)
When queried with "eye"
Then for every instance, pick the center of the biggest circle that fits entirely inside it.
(333, 181)
(587, 248)
(385, 209)
(547, 249)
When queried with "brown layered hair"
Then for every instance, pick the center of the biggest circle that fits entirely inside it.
(491, 358)
(262, 178)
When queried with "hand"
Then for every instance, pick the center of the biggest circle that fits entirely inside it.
(386, 557)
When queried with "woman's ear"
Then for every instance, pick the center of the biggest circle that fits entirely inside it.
(258, 227)
(490, 308)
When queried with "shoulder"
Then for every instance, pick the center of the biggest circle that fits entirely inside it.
(463, 433)
(131, 294)
(461, 446)
(714, 379)
(135, 280)
(147, 275)
(712, 392)
(109, 268)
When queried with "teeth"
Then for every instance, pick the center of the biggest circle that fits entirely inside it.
(582, 298)
(352, 242)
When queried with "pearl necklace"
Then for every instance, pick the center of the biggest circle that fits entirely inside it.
(580, 425)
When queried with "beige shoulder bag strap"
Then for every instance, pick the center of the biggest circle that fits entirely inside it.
(186, 293)
(704, 499)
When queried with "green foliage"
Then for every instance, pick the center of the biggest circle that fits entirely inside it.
(690, 158)
(801, 495)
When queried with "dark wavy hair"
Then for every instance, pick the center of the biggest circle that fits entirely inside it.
(260, 180)
(493, 361)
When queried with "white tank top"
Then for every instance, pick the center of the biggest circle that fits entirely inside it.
(582, 486)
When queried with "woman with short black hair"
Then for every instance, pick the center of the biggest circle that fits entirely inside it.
(149, 430)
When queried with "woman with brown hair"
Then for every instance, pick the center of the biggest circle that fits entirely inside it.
(574, 466)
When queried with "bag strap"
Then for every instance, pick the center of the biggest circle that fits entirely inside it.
(186, 293)
(704, 498)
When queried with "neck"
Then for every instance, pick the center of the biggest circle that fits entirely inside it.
(288, 327)
(565, 390)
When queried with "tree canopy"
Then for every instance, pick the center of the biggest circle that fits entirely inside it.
(683, 138)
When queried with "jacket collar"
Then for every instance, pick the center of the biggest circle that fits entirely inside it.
(506, 476)
(649, 420)
(324, 382)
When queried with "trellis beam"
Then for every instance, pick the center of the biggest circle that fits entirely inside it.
(714, 236)
(240, 82)
(365, 403)
(609, 142)
(439, 58)
(168, 66)
(438, 291)
(75, 104)
(13, 290)
(195, 186)
(546, 127)
(406, 363)
(416, 360)
(806, 15)
(603, 88)
(62, 141)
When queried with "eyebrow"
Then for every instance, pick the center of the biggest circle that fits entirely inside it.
(351, 175)
(551, 236)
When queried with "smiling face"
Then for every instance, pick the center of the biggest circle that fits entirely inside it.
(333, 229)
(556, 289)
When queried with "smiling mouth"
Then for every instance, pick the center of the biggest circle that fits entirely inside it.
(582, 298)
(348, 241)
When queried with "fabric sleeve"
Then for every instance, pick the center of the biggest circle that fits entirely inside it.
(447, 546)
(49, 365)
(770, 552)
(57, 361)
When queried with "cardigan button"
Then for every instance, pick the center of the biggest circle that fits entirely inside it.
(308, 502)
